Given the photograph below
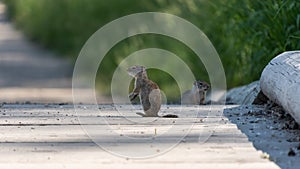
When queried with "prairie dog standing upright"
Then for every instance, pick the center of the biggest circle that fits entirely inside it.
(148, 92)
(197, 94)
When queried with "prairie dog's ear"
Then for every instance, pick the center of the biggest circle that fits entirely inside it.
(208, 85)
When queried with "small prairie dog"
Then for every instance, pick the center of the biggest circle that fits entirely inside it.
(197, 94)
(148, 92)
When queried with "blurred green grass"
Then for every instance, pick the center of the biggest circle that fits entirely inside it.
(247, 34)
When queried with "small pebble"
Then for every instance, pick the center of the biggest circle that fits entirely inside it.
(265, 156)
(291, 152)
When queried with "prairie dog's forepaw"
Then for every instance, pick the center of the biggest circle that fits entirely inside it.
(132, 96)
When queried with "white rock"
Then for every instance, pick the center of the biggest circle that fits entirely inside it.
(280, 82)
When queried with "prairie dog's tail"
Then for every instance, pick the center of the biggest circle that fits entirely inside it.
(170, 116)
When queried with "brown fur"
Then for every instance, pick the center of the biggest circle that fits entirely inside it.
(197, 94)
(147, 90)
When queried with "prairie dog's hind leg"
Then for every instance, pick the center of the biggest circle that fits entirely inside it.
(141, 114)
(155, 103)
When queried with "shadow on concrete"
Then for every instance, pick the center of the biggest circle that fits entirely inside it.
(271, 133)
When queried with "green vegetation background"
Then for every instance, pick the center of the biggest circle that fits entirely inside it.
(247, 34)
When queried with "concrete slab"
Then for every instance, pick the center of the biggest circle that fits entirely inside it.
(55, 136)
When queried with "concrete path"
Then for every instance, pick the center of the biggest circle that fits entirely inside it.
(27, 71)
(54, 136)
